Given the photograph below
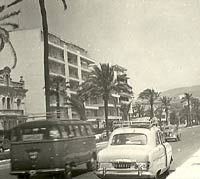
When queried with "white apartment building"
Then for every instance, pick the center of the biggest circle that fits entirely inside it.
(68, 63)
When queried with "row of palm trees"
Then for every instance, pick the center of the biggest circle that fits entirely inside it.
(190, 111)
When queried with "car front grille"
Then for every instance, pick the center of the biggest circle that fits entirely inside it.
(121, 165)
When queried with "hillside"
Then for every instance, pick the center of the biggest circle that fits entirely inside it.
(195, 90)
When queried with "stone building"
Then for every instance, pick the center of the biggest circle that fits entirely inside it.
(12, 100)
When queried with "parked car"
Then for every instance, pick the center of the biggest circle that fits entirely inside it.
(172, 132)
(135, 152)
(51, 147)
(4, 144)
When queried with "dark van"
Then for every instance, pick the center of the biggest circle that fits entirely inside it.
(51, 147)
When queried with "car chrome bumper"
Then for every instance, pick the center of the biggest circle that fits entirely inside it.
(34, 172)
(112, 173)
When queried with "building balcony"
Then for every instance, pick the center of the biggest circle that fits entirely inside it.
(11, 112)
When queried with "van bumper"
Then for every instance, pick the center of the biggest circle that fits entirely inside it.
(123, 173)
(35, 172)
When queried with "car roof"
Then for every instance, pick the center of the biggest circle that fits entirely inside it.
(134, 130)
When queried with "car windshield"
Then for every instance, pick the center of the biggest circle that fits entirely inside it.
(129, 139)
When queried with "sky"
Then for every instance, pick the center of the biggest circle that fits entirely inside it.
(157, 41)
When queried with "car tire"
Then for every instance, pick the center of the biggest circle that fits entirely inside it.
(23, 177)
(91, 165)
(68, 171)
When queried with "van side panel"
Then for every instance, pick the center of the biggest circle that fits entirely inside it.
(33, 155)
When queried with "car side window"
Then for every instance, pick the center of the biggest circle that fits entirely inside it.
(63, 132)
(54, 133)
(70, 130)
(162, 139)
(89, 130)
(77, 131)
(157, 138)
(83, 130)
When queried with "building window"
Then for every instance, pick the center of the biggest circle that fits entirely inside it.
(72, 58)
(74, 85)
(84, 75)
(8, 103)
(56, 52)
(3, 102)
(73, 72)
(57, 68)
(18, 103)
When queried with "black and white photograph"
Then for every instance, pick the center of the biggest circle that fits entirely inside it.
(99, 89)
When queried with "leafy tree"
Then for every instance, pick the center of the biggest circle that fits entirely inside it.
(102, 83)
(187, 98)
(150, 95)
(6, 27)
(173, 118)
(165, 105)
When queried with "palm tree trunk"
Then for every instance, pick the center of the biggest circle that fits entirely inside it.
(189, 118)
(46, 53)
(106, 116)
(151, 110)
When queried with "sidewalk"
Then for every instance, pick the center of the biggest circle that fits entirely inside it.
(190, 169)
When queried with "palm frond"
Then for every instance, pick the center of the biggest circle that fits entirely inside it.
(13, 25)
(2, 8)
(14, 54)
(4, 36)
(64, 4)
(14, 2)
(12, 14)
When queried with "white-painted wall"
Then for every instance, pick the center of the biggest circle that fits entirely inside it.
(29, 49)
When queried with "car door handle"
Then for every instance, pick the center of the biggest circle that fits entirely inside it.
(84, 143)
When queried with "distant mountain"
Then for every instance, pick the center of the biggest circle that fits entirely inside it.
(195, 90)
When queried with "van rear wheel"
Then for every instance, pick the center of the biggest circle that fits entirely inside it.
(68, 172)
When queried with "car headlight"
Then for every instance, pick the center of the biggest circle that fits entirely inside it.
(104, 165)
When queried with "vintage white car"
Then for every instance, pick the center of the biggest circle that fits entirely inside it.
(135, 152)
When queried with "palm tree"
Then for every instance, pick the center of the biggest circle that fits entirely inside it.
(125, 110)
(150, 95)
(46, 51)
(78, 105)
(195, 109)
(139, 110)
(165, 105)
(6, 27)
(101, 83)
(187, 98)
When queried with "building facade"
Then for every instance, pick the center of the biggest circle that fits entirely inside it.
(69, 66)
(12, 100)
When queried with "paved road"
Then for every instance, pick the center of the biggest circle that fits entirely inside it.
(182, 150)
